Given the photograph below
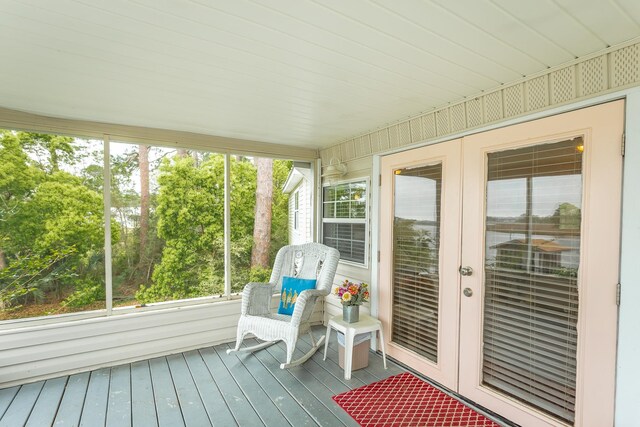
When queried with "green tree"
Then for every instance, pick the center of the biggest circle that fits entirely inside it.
(190, 210)
(52, 234)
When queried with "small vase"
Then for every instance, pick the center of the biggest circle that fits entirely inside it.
(351, 313)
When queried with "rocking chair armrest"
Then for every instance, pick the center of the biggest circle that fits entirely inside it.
(309, 295)
(256, 298)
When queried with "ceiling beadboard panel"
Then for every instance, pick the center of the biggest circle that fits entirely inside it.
(615, 69)
(306, 73)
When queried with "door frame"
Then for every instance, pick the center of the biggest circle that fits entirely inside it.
(609, 385)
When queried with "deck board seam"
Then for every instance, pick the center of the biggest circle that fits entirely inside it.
(267, 392)
(269, 350)
(311, 415)
(240, 387)
(175, 389)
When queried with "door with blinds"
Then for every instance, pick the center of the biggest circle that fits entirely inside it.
(420, 251)
(535, 279)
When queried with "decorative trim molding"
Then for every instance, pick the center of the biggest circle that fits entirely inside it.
(607, 71)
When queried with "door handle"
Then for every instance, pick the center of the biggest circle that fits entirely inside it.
(465, 271)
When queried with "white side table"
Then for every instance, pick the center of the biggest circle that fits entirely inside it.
(350, 330)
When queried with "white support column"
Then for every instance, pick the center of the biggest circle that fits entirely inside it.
(317, 200)
(227, 226)
(108, 277)
(628, 369)
(374, 218)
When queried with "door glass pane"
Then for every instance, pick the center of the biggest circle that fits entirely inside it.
(532, 250)
(416, 240)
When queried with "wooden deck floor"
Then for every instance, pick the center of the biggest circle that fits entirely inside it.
(197, 388)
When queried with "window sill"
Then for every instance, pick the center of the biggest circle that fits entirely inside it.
(116, 312)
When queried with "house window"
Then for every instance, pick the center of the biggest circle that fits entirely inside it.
(296, 210)
(344, 220)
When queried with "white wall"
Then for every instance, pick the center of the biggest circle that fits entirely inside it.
(628, 375)
(304, 232)
(360, 168)
(628, 358)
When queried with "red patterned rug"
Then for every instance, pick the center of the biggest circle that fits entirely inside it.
(405, 400)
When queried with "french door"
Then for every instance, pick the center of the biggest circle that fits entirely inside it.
(499, 265)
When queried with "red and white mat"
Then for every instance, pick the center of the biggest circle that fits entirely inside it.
(405, 400)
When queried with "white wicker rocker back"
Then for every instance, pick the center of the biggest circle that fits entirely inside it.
(306, 261)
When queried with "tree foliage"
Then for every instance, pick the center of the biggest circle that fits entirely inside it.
(169, 245)
(52, 225)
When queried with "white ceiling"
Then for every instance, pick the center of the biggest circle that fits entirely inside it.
(299, 72)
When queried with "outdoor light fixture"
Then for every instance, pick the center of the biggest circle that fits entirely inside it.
(336, 169)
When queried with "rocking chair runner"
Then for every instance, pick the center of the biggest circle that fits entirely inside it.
(307, 261)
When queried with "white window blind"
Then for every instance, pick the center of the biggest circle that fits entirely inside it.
(532, 247)
(416, 237)
(344, 219)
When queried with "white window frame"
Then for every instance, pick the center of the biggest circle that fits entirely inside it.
(109, 310)
(296, 210)
(365, 220)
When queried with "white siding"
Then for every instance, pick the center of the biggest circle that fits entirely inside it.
(303, 233)
(32, 353)
(358, 168)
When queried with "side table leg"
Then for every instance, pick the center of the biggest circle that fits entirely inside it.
(384, 355)
(348, 352)
(326, 340)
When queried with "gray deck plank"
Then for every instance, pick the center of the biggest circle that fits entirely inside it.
(167, 405)
(217, 410)
(376, 366)
(311, 383)
(119, 406)
(44, 410)
(362, 375)
(322, 370)
(20, 408)
(280, 396)
(70, 407)
(375, 371)
(243, 412)
(94, 411)
(307, 398)
(6, 397)
(192, 408)
(260, 400)
(143, 407)
(197, 388)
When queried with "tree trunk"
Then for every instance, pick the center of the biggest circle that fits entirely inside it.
(262, 224)
(3, 260)
(143, 164)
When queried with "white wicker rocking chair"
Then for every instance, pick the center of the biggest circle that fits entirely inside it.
(307, 261)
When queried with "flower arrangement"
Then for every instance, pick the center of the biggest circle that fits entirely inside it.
(352, 293)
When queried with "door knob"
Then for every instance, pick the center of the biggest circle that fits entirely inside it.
(467, 292)
(466, 271)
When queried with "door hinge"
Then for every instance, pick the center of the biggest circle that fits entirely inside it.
(624, 140)
(380, 180)
(618, 291)
(378, 256)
